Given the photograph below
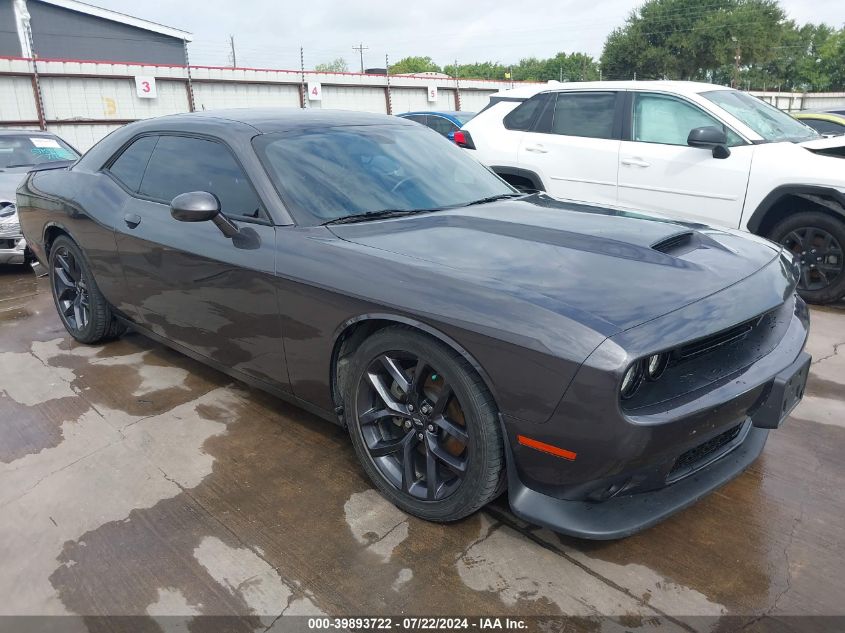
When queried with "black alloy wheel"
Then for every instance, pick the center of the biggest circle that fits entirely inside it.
(70, 290)
(816, 242)
(818, 254)
(424, 426)
(413, 426)
(84, 311)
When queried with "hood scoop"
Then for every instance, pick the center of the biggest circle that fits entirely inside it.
(677, 244)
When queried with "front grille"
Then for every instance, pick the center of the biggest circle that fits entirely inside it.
(702, 346)
(699, 453)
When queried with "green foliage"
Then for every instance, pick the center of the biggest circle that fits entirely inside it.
(335, 66)
(414, 65)
(561, 67)
(687, 39)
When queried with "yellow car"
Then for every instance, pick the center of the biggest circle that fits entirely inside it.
(826, 122)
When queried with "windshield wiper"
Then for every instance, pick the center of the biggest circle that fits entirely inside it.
(501, 196)
(20, 165)
(375, 215)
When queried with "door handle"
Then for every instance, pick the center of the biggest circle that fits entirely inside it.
(537, 149)
(635, 162)
(132, 220)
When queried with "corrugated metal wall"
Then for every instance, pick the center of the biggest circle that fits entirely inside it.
(84, 101)
(17, 102)
(208, 96)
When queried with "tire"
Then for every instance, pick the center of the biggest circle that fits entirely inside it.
(83, 310)
(470, 403)
(816, 239)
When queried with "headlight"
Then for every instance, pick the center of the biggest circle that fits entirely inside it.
(655, 365)
(631, 380)
(7, 209)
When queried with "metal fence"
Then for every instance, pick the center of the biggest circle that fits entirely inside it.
(83, 101)
(795, 101)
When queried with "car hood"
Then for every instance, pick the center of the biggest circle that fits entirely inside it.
(609, 269)
(824, 143)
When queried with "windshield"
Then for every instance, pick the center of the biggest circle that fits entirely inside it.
(769, 122)
(463, 117)
(331, 173)
(25, 150)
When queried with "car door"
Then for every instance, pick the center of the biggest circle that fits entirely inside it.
(186, 281)
(658, 171)
(574, 146)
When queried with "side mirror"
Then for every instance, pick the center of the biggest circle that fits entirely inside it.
(712, 138)
(201, 206)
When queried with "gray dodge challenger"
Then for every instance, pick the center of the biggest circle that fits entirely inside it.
(605, 368)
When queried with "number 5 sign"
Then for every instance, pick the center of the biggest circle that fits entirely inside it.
(145, 87)
(315, 91)
(432, 94)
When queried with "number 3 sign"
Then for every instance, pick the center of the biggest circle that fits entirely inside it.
(145, 87)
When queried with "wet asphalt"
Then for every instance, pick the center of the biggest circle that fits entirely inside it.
(136, 481)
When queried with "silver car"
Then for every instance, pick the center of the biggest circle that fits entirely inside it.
(20, 152)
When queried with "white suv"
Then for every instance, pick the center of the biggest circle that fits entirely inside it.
(692, 151)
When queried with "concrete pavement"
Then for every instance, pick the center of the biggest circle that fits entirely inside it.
(135, 481)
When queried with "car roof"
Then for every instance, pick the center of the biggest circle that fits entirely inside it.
(268, 120)
(677, 87)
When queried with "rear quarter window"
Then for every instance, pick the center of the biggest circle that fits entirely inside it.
(523, 116)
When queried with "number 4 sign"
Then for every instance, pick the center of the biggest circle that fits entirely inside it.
(315, 91)
(145, 87)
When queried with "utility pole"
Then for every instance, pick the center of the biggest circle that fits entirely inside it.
(737, 58)
(361, 48)
(560, 75)
(232, 47)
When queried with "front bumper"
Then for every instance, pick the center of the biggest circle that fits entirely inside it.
(622, 516)
(12, 250)
(629, 468)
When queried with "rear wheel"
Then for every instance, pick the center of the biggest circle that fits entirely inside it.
(424, 426)
(817, 241)
(82, 308)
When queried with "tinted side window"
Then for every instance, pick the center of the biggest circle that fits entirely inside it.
(180, 164)
(588, 114)
(441, 125)
(129, 166)
(664, 119)
(416, 118)
(524, 115)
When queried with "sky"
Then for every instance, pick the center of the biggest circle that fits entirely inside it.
(269, 33)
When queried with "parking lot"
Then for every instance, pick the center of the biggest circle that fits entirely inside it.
(135, 481)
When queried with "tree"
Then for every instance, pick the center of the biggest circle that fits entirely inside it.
(685, 39)
(414, 65)
(335, 66)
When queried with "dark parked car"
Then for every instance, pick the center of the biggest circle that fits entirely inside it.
(444, 123)
(607, 369)
(21, 151)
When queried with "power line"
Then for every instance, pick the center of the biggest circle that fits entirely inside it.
(361, 48)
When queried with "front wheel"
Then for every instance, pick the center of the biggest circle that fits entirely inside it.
(423, 425)
(82, 308)
(816, 240)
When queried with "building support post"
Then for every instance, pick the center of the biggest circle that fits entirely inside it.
(388, 97)
(189, 85)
